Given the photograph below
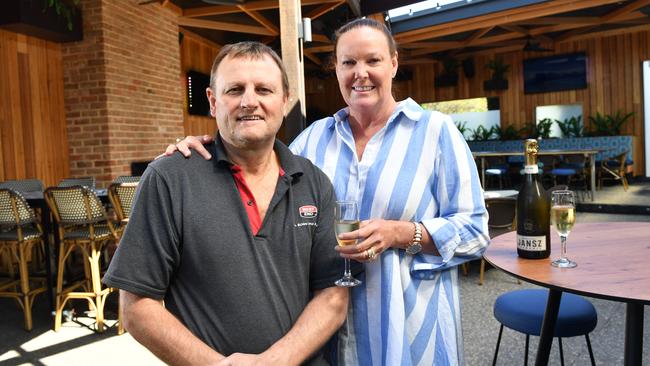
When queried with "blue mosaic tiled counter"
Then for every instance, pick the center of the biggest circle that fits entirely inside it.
(610, 145)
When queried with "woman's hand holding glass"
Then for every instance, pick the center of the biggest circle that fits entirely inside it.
(375, 237)
(563, 217)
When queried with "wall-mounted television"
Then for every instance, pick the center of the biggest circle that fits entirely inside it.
(554, 73)
(197, 102)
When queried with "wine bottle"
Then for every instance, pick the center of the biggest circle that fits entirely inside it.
(533, 210)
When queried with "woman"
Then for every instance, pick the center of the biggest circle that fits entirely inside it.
(419, 196)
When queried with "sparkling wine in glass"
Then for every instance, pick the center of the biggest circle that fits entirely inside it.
(563, 217)
(347, 219)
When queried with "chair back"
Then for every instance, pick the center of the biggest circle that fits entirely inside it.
(127, 179)
(15, 213)
(121, 196)
(502, 213)
(83, 181)
(23, 185)
(75, 205)
(14, 209)
(617, 162)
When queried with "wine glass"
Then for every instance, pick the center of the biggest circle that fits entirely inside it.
(563, 216)
(347, 219)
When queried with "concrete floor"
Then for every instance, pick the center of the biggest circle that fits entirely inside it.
(76, 344)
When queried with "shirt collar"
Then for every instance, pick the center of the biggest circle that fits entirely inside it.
(408, 107)
(288, 160)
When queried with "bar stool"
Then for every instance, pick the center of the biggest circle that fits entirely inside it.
(523, 311)
(19, 232)
(84, 225)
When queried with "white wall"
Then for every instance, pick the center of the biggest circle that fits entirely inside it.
(475, 119)
(559, 112)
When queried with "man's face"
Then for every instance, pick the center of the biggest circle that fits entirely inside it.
(248, 101)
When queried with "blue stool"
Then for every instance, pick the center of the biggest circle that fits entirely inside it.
(523, 311)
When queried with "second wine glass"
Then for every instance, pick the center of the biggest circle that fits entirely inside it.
(563, 217)
(347, 219)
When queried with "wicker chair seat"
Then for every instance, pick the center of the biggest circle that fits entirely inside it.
(29, 233)
(100, 233)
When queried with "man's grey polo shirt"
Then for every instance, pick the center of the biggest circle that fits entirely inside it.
(189, 242)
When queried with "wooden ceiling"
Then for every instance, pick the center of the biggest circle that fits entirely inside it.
(535, 27)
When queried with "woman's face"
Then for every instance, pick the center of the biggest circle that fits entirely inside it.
(365, 68)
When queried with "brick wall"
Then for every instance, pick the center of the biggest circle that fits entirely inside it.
(122, 87)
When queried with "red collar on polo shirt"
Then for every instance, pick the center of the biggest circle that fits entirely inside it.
(247, 198)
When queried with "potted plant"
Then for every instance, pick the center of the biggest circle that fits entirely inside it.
(449, 75)
(481, 133)
(52, 20)
(462, 127)
(571, 127)
(506, 133)
(499, 69)
(608, 125)
(539, 130)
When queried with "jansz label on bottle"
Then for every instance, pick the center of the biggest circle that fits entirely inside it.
(534, 243)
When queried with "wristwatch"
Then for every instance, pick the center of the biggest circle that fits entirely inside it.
(415, 246)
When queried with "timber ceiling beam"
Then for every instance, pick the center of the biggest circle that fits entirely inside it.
(624, 10)
(232, 27)
(417, 45)
(480, 33)
(559, 20)
(173, 7)
(320, 49)
(264, 22)
(496, 19)
(313, 58)
(251, 5)
(323, 9)
(320, 38)
(608, 33)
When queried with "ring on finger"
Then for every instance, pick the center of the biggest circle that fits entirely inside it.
(178, 139)
(372, 253)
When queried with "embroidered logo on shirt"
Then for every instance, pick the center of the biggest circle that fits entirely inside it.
(308, 212)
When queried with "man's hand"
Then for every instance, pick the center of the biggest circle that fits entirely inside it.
(244, 359)
(190, 142)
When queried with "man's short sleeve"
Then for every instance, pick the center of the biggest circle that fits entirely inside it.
(149, 252)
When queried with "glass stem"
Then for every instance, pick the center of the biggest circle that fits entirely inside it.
(563, 246)
(347, 273)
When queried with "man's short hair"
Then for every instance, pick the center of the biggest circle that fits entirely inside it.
(252, 50)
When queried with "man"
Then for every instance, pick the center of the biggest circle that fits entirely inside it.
(234, 245)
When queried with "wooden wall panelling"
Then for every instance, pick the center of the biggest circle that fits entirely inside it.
(613, 75)
(197, 54)
(33, 127)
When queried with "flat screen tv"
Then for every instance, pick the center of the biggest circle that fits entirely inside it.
(554, 73)
(197, 102)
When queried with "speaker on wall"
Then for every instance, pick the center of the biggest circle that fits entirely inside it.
(468, 67)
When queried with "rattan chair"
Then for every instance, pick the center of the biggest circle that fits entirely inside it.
(19, 232)
(84, 225)
(121, 196)
(88, 182)
(23, 185)
(614, 168)
(127, 179)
